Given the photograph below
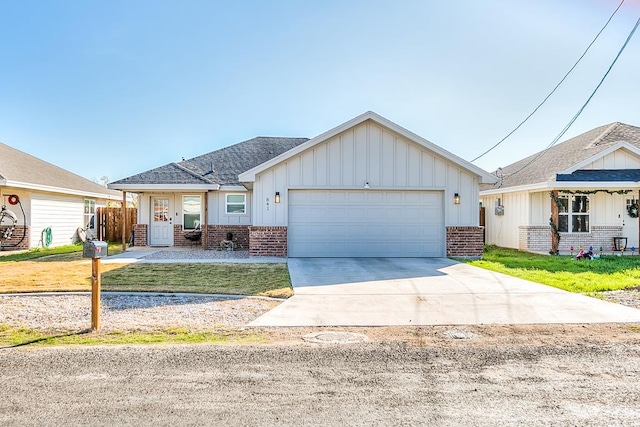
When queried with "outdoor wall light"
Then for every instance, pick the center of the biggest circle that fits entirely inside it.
(456, 199)
(366, 185)
(277, 198)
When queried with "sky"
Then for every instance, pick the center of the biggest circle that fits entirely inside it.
(112, 89)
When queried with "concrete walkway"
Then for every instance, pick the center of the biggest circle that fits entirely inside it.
(419, 291)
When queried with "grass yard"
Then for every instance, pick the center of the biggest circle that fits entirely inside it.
(66, 270)
(20, 336)
(605, 274)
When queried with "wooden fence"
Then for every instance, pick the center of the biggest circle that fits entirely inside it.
(110, 223)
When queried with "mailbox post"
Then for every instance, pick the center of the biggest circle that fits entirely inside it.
(95, 250)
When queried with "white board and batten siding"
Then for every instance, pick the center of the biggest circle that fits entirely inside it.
(329, 212)
(367, 153)
(62, 214)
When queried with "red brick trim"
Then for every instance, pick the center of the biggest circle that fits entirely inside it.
(180, 241)
(268, 241)
(218, 233)
(8, 245)
(464, 242)
(140, 235)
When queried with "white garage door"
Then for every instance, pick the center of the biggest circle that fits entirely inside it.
(365, 223)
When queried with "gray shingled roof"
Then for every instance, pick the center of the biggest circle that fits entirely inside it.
(18, 166)
(566, 154)
(217, 167)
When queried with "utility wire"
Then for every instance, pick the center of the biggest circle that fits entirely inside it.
(557, 86)
(575, 117)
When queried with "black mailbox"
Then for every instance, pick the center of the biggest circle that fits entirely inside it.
(94, 249)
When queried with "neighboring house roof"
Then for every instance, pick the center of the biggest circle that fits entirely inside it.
(561, 157)
(609, 175)
(217, 168)
(250, 174)
(22, 170)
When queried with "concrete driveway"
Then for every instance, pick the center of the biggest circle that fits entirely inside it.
(426, 291)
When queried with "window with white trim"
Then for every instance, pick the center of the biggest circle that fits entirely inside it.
(89, 214)
(573, 214)
(191, 212)
(236, 203)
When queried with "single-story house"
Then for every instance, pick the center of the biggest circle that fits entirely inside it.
(366, 188)
(581, 192)
(44, 205)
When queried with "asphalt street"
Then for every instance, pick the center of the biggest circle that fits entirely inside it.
(315, 384)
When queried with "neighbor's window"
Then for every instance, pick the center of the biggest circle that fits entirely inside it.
(89, 213)
(573, 214)
(191, 209)
(236, 203)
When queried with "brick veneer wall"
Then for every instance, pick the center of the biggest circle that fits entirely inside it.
(218, 233)
(268, 241)
(534, 238)
(538, 238)
(182, 242)
(15, 238)
(465, 242)
(140, 235)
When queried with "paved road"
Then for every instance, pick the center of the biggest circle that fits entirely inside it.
(364, 384)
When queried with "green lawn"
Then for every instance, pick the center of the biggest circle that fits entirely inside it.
(564, 272)
(63, 270)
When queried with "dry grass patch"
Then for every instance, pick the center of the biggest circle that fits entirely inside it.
(70, 272)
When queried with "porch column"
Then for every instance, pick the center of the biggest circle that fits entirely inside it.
(554, 219)
(124, 221)
(205, 229)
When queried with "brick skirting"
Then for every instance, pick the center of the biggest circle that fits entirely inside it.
(538, 238)
(8, 244)
(218, 233)
(180, 241)
(268, 241)
(465, 242)
(140, 235)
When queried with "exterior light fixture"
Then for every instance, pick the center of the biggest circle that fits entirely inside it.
(277, 197)
(456, 199)
(366, 185)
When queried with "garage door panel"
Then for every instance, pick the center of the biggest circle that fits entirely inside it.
(365, 223)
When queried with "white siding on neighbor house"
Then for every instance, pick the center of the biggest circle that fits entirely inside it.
(540, 208)
(619, 159)
(24, 197)
(217, 209)
(503, 230)
(367, 153)
(61, 213)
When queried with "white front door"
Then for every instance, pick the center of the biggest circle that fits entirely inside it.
(161, 222)
(630, 227)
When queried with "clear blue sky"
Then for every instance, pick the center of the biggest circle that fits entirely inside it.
(114, 88)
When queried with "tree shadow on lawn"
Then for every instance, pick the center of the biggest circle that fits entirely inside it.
(46, 338)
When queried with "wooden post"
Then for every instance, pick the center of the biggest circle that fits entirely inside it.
(95, 293)
(205, 234)
(554, 219)
(124, 221)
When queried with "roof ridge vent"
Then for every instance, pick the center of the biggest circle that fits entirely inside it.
(598, 141)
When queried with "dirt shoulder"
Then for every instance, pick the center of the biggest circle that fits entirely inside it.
(472, 336)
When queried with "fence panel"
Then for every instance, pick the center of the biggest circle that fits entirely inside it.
(110, 223)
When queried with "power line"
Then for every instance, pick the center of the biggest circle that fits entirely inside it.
(575, 117)
(557, 86)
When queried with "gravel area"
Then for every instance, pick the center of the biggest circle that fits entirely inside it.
(197, 254)
(131, 312)
(629, 298)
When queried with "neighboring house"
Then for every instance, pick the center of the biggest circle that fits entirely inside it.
(587, 187)
(51, 203)
(367, 188)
